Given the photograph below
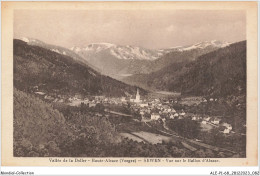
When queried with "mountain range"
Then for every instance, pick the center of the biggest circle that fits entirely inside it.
(221, 72)
(205, 68)
(60, 74)
(58, 49)
(120, 61)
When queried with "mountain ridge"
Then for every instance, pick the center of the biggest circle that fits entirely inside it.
(59, 74)
(208, 74)
(122, 61)
(117, 61)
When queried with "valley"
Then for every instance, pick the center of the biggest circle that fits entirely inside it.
(180, 102)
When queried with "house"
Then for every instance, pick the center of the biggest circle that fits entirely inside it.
(226, 131)
(142, 112)
(180, 117)
(173, 110)
(98, 114)
(211, 99)
(132, 100)
(194, 118)
(228, 126)
(207, 118)
(123, 99)
(144, 105)
(48, 97)
(92, 105)
(98, 97)
(204, 122)
(175, 115)
(169, 110)
(155, 116)
(165, 107)
(182, 113)
(165, 111)
(172, 116)
(215, 121)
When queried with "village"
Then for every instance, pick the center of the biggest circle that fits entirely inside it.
(149, 109)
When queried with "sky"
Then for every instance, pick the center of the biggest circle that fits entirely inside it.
(154, 29)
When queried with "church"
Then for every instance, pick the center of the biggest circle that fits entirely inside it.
(137, 97)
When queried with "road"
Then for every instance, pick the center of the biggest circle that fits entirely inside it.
(118, 113)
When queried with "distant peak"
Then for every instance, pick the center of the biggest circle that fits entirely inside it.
(31, 40)
(202, 45)
(25, 39)
(103, 43)
(75, 48)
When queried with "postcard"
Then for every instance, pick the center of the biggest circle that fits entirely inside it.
(129, 84)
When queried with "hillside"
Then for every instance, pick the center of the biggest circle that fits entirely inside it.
(59, 74)
(42, 131)
(58, 49)
(36, 124)
(221, 72)
(165, 69)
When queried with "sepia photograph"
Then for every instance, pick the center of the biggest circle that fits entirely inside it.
(130, 83)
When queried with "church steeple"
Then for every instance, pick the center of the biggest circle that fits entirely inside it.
(137, 98)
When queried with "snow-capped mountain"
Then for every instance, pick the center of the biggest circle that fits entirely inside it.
(32, 41)
(120, 60)
(119, 51)
(200, 45)
(57, 49)
(115, 60)
(203, 45)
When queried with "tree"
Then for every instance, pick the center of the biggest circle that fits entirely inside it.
(185, 127)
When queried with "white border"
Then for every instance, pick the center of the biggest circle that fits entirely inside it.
(131, 170)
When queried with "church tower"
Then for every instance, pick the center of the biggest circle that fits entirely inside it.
(137, 98)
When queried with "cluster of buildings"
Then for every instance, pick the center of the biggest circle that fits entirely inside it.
(156, 110)
(149, 110)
